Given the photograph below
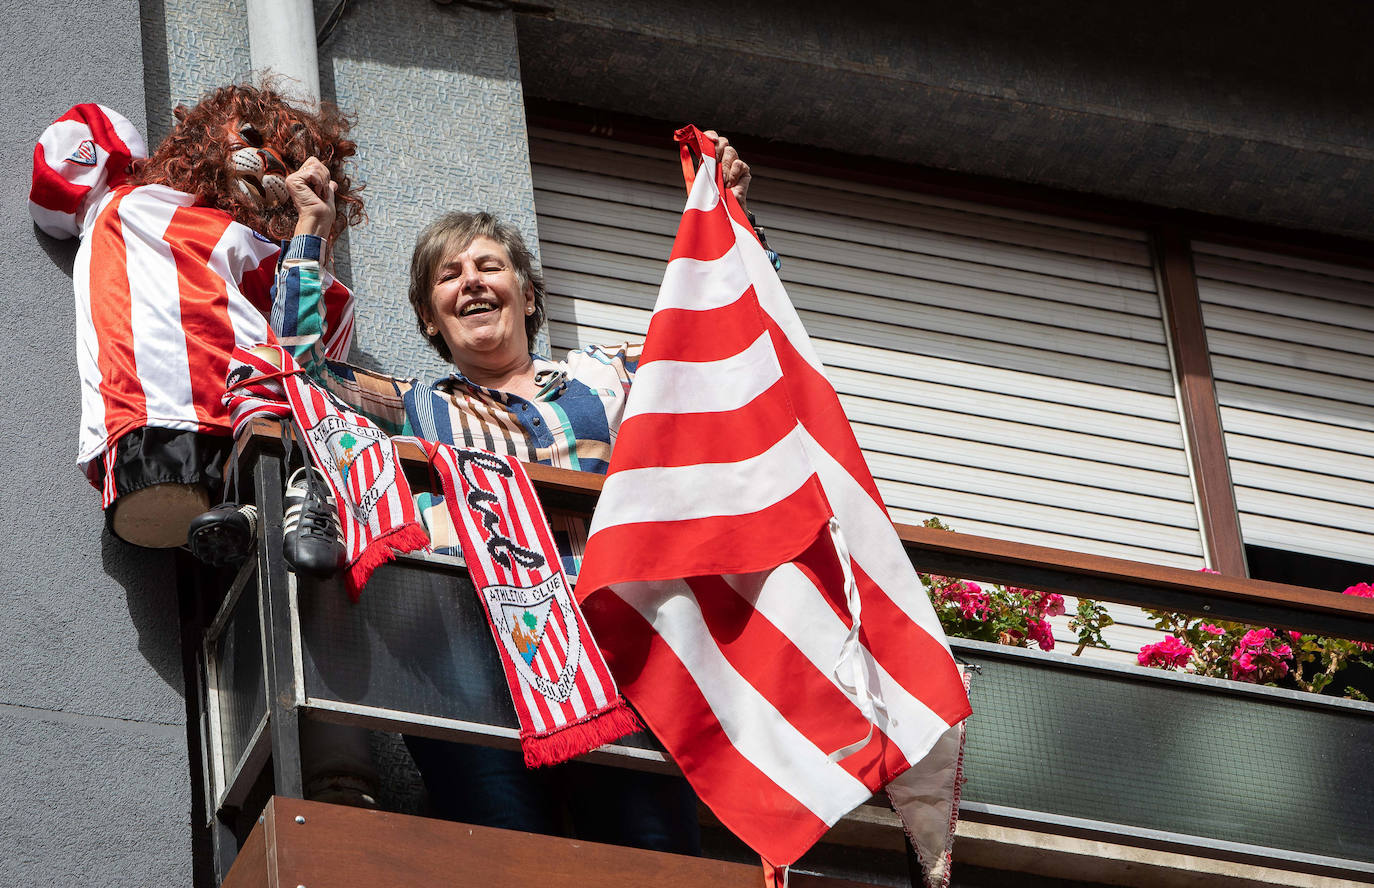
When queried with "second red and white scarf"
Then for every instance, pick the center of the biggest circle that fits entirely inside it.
(376, 512)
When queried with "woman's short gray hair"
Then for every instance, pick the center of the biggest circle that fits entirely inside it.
(453, 232)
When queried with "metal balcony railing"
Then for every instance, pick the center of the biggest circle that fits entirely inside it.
(1057, 745)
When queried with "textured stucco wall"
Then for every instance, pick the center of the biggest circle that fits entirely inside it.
(1255, 109)
(93, 760)
(188, 49)
(440, 126)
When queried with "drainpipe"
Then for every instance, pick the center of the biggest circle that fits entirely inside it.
(281, 37)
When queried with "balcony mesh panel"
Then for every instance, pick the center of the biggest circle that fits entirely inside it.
(417, 641)
(242, 684)
(1169, 756)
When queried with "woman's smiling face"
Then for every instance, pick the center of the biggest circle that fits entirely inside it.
(479, 305)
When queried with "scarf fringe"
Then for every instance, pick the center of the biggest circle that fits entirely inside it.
(379, 551)
(592, 730)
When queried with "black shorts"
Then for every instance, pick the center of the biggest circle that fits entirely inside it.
(148, 456)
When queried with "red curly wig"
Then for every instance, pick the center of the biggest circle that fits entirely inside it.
(193, 159)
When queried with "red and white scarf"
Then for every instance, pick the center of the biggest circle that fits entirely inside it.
(562, 690)
(376, 512)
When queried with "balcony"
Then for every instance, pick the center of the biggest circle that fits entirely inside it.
(1075, 770)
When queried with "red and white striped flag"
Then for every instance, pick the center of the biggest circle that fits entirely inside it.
(739, 539)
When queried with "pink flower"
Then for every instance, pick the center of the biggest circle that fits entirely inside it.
(1207, 570)
(1212, 630)
(1256, 638)
(1243, 668)
(973, 610)
(972, 601)
(1260, 657)
(1053, 604)
(956, 590)
(1041, 634)
(1295, 636)
(1171, 653)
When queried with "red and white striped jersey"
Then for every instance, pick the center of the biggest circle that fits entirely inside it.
(165, 290)
(738, 538)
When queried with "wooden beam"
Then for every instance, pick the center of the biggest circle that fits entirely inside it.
(1107, 572)
(1198, 403)
(316, 845)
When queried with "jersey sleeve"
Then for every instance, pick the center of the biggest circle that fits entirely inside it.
(314, 322)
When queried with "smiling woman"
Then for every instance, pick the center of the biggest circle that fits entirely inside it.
(478, 300)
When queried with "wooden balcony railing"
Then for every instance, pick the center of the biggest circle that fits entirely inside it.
(1087, 576)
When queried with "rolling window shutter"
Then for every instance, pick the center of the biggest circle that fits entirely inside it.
(1290, 350)
(1004, 371)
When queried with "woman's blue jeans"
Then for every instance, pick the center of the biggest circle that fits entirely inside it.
(492, 787)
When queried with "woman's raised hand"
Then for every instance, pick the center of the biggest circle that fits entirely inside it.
(312, 191)
(736, 171)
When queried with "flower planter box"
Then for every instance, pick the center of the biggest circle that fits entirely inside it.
(1159, 757)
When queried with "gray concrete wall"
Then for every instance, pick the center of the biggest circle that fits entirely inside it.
(1252, 109)
(93, 759)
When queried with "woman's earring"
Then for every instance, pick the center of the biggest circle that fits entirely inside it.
(431, 329)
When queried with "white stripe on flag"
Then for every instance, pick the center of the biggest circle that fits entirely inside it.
(702, 285)
(774, 300)
(697, 491)
(789, 600)
(159, 341)
(750, 721)
(694, 386)
(703, 195)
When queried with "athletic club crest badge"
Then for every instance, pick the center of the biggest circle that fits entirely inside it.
(540, 634)
(84, 155)
(360, 457)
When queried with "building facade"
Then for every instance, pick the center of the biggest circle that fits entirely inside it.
(1086, 277)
